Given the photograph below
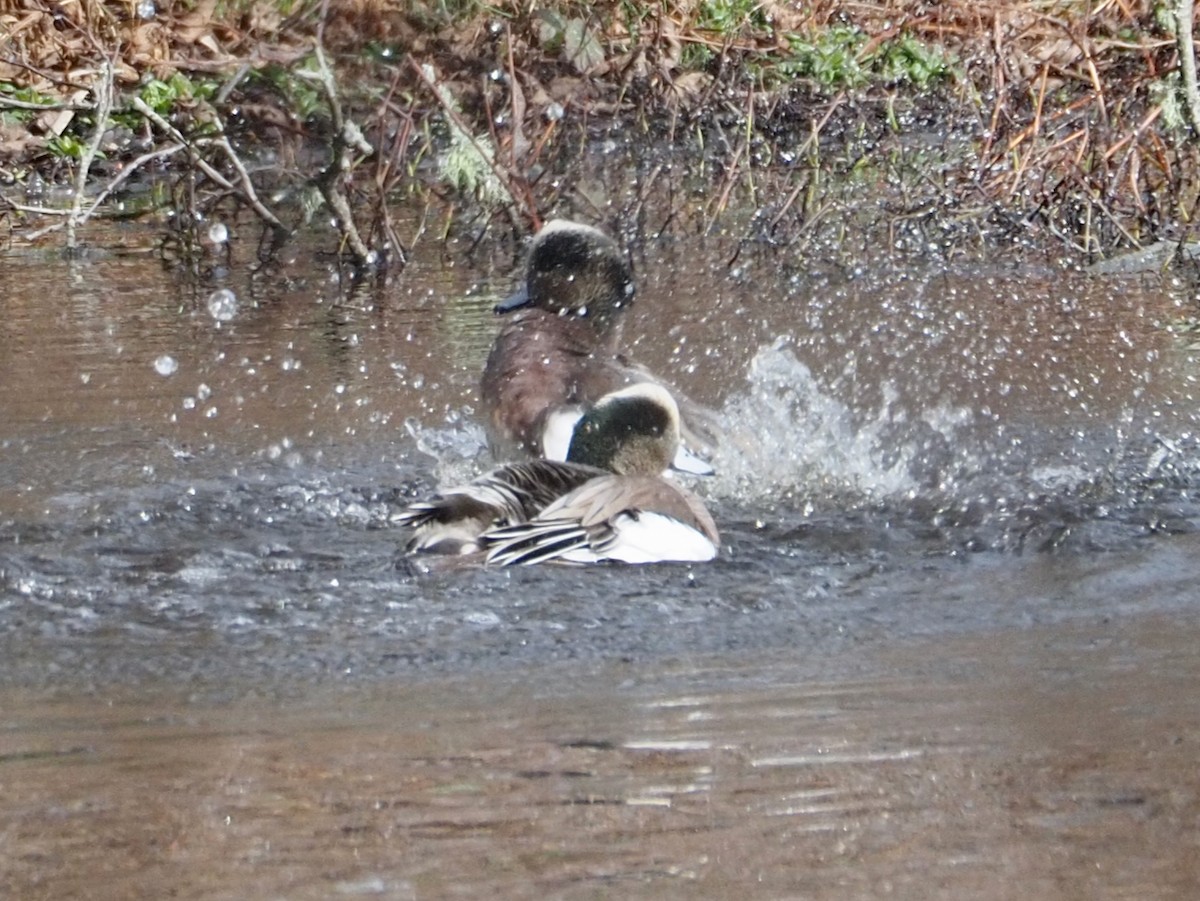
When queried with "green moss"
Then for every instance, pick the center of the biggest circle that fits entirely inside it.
(907, 60)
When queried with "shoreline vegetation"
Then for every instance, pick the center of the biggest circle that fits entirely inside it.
(934, 128)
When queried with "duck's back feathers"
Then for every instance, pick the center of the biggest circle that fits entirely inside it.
(540, 364)
(452, 521)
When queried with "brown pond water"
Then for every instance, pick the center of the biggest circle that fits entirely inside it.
(1059, 763)
(949, 649)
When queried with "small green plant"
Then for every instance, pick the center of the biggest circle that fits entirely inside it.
(67, 146)
(637, 17)
(468, 164)
(300, 87)
(831, 60)
(1167, 94)
(163, 96)
(570, 38)
(838, 59)
(728, 17)
(907, 60)
(22, 95)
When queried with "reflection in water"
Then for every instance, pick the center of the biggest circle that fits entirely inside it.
(1044, 762)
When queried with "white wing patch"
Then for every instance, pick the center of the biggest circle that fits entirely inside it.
(558, 432)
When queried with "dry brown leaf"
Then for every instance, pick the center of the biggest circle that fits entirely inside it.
(16, 141)
(197, 24)
(265, 18)
(209, 43)
(149, 41)
(564, 87)
(689, 86)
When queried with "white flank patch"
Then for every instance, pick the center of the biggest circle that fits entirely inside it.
(557, 434)
(651, 538)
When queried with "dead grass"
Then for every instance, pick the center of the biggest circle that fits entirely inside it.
(1069, 115)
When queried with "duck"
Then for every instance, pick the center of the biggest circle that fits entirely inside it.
(608, 501)
(453, 521)
(558, 351)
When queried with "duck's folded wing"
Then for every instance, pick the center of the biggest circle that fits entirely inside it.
(538, 541)
(631, 537)
(511, 494)
(601, 499)
(633, 520)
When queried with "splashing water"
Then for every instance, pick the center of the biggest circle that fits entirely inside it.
(222, 305)
(784, 435)
(166, 365)
(458, 450)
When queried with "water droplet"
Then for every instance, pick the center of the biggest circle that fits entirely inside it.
(166, 365)
(222, 305)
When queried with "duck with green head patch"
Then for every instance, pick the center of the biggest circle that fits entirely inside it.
(608, 501)
(630, 514)
(558, 350)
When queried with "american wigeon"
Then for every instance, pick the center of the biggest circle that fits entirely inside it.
(557, 352)
(608, 501)
(451, 522)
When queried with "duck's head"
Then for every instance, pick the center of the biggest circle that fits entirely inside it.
(575, 270)
(634, 431)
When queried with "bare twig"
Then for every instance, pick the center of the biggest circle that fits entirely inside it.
(105, 193)
(1184, 17)
(247, 186)
(104, 95)
(347, 139)
(502, 175)
(130, 168)
(10, 103)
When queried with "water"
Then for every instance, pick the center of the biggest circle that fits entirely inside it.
(948, 645)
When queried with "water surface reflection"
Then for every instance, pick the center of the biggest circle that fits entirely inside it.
(1058, 763)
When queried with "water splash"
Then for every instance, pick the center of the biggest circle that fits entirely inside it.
(458, 449)
(222, 305)
(786, 436)
(166, 365)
